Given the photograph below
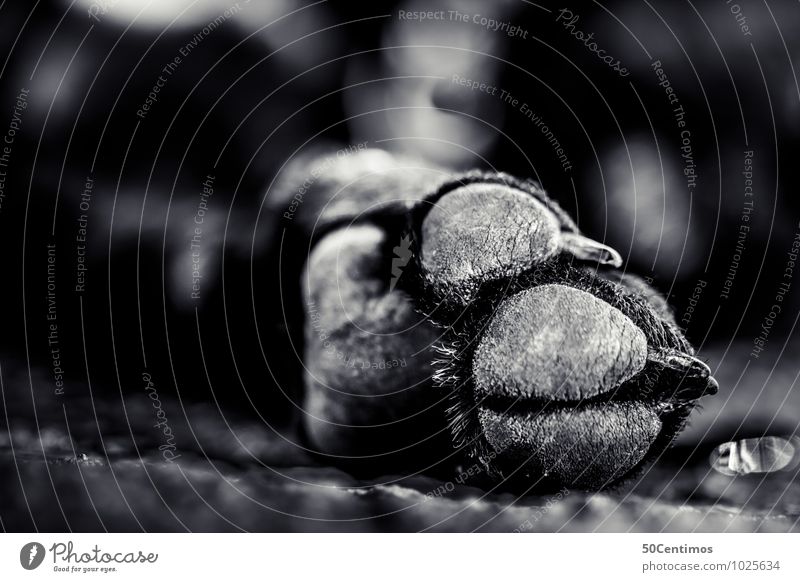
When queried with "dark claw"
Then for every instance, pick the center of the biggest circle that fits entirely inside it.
(713, 386)
(689, 377)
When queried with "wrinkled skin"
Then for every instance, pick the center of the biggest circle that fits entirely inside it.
(466, 316)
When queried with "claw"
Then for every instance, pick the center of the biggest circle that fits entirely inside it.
(586, 249)
(713, 386)
(692, 375)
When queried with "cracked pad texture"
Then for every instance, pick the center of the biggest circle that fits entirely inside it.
(557, 343)
(482, 232)
(580, 447)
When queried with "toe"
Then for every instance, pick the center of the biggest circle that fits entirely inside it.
(486, 231)
(584, 447)
(482, 232)
(367, 351)
(557, 343)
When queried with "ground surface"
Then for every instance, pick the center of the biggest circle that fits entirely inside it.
(236, 474)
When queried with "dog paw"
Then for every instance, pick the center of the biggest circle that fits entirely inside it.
(553, 367)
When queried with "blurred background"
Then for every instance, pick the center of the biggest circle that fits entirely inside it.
(669, 130)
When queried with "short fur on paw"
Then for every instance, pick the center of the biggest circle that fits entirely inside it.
(554, 368)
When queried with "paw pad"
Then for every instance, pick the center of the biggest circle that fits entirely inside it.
(557, 343)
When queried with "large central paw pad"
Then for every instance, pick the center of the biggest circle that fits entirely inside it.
(554, 342)
(546, 352)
